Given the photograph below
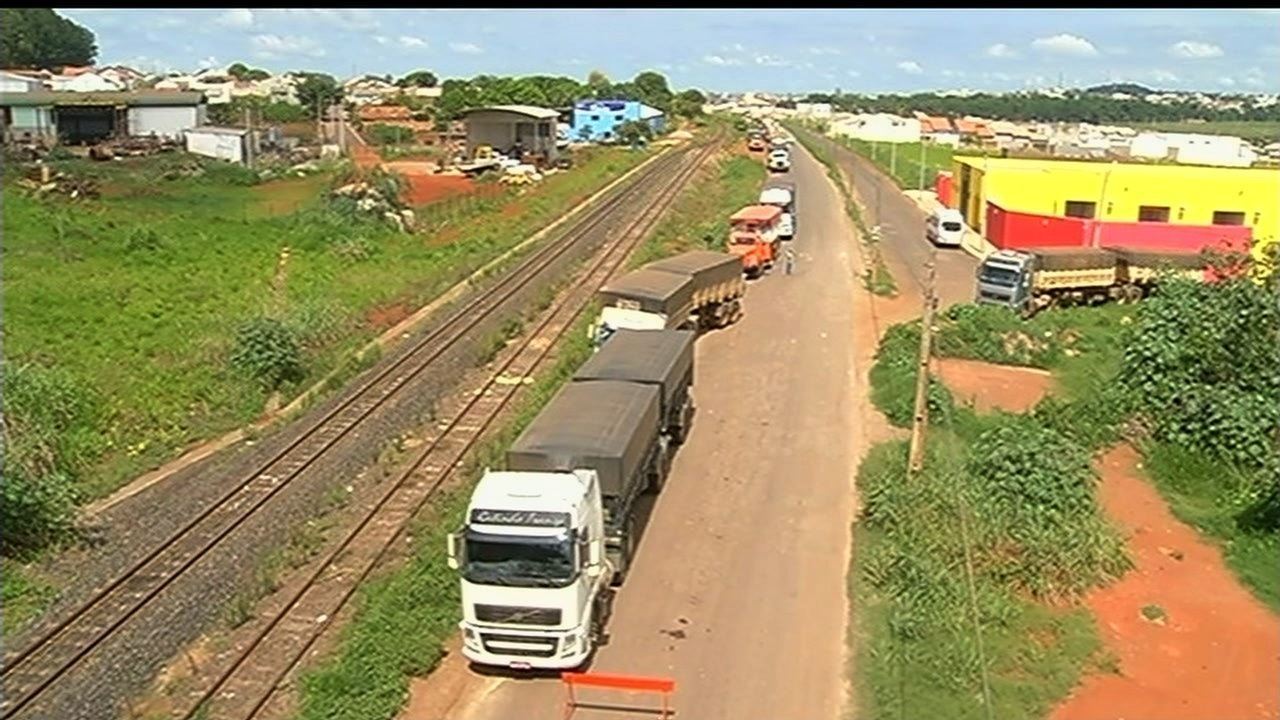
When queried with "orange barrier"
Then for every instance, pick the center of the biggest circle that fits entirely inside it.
(631, 683)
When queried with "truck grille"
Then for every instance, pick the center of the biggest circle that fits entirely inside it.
(517, 615)
(523, 645)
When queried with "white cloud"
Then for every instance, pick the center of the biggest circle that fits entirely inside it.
(824, 51)
(411, 41)
(663, 66)
(1195, 50)
(382, 39)
(238, 17)
(345, 19)
(1000, 50)
(466, 48)
(911, 67)
(720, 60)
(1065, 44)
(737, 47)
(271, 45)
(1163, 76)
(1253, 81)
(1226, 81)
(770, 61)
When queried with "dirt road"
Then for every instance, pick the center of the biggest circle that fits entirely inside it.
(739, 587)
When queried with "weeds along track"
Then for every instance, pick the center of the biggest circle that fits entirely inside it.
(30, 671)
(251, 675)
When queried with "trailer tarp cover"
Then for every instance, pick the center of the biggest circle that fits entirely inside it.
(706, 267)
(1076, 258)
(652, 290)
(1160, 258)
(603, 425)
(655, 357)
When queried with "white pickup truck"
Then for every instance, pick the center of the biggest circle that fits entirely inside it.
(779, 160)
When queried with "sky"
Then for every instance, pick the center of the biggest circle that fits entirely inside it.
(722, 50)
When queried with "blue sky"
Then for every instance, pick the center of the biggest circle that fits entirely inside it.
(733, 50)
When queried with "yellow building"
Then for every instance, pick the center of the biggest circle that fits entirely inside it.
(1122, 192)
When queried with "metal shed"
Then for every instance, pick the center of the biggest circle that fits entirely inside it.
(506, 128)
(94, 116)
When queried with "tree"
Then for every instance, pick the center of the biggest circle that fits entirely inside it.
(652, 89)
(688, 103)
(634, 132)
(598, 85)
(41, 38)
(240, 71)
(318, 88)
(419, 78)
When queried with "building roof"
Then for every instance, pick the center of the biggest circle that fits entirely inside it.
(935, 124)
(385, 112)
(1190, 172)
(532, 111)
(114, 97)
(648, 113)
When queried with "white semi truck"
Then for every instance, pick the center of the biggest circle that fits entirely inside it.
(782, 194)
(547, 539)
(697, 289)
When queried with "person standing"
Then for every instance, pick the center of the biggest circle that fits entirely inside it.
(789, 258)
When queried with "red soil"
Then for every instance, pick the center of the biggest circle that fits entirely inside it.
(1217, 655)
(993, 387)
(381, 318)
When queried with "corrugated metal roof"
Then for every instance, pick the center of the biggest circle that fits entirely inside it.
(120, 97)
(533, 111)
(758, 213)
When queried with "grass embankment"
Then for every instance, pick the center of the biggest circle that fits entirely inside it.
(133, 302)
(903, 161)
(953, 567)
(405, 618)
(876, 277)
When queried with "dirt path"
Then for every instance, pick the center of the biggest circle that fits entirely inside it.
(993, 387)
(1215, 655)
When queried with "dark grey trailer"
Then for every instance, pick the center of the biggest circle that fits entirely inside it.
(718, 286)
(661, 358)
(653, 292)
(612, 428)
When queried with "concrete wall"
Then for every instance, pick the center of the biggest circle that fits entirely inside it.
(163, 120)
(1016, 230)
(34, 121)
(216, 145)
(1192, 194)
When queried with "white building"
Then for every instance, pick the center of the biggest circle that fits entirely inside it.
(230, 144)
(1192, 149)
(17, 82)
(367, 90)
(83, 82)
(878, 128)
(813, 110)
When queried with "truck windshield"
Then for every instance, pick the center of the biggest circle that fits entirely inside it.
(519, 561)
(999, 276)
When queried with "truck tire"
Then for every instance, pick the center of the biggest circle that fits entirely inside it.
(627, 553)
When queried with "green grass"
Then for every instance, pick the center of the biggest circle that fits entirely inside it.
(1208, 495)
(902, 161)
(1262, 131)
(404, 618)
(24, 596)
(138, 295)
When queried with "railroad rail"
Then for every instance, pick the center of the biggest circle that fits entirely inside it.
(29, 672)
(255, 672)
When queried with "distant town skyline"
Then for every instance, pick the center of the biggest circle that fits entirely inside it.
(722, 50)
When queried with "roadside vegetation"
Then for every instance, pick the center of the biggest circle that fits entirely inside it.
(913, 166)
(967, 575)
(405, 618)
(183, 303)
(876, 277)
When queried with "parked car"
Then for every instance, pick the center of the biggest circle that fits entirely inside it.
(779, 160)
(945, 226)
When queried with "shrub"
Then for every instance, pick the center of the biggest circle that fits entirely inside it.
(1203, 362)
(380, 134)
(49, 437)
(893, 378)
(269, 351)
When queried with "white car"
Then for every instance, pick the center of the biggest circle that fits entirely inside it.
(779, 161)
(945, 227)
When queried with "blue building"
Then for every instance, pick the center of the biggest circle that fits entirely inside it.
(598, 120)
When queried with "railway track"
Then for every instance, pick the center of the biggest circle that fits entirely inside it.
(57, 649)
(253, 675)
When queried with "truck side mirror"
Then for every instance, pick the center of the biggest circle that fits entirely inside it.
(457, 550)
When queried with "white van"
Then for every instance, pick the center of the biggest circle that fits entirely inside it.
(945, 227)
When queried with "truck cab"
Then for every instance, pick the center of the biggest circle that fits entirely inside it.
(644, 299)
(531, 559)
(1004, 278)
(782, 196)
(753, 237)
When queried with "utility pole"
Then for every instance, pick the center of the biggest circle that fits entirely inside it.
(248, 138)
(922, 164)
(893, 159)
(920, 418)
(319, 124)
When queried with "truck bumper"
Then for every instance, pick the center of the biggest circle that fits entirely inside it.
(523, 649)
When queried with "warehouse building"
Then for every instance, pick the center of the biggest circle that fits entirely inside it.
(78, 118)
(506, 128)
(598, 120)
(1120, 193)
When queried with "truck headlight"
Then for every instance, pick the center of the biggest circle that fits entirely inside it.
(569, 646)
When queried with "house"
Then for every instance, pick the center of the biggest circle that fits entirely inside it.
(83, 82)
(1192, 149)
(598, 120)
(424, 93)
(939, 131)
(380, 113)
(368, 89)
(509, 127)
(20, 81)
(879, 127)
(122, 75)
(813, 110)
(73, 117)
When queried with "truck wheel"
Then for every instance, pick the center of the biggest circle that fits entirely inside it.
(627, 552)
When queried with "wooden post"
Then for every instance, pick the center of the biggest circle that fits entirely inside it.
(920, 420)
